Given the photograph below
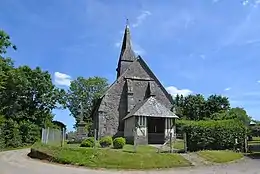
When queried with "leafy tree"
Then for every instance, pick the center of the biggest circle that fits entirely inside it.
(27, 99)
(29, 95)
(216, 104)
(5, 42)
(86, 92)
(234, 114)
(194, 107)
(178, 105)
(10, 130)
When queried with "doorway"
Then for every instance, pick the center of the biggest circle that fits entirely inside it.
(156, 128)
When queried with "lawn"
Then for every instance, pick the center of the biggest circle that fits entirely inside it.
(145, 157)
(220, 156)
(178, 144)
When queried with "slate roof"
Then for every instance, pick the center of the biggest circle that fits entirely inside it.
(151, 108)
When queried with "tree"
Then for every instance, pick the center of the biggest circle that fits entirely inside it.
(234, 114)
(86, 92)
(216, 104)
(29, 95)
(27, 99)
(194, 107)
(178, 105)
(5, 42)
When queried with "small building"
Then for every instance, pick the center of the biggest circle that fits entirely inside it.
(136, 104)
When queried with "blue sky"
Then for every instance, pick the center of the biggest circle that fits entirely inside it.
(192, 46)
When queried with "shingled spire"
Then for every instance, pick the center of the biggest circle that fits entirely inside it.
(127, 55)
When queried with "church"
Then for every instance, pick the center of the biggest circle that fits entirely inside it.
(136, 106)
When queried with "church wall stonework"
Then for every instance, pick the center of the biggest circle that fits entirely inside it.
(111, 107)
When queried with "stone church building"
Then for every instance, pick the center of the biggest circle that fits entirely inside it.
(136, 105)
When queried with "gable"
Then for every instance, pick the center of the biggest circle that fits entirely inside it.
(151, 108)
(139, 71)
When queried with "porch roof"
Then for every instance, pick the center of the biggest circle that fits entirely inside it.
(151, 108)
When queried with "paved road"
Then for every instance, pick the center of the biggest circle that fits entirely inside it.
(17, 162)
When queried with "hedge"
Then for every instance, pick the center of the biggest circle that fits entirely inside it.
(213, 135)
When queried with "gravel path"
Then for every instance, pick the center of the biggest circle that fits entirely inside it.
(17, 162)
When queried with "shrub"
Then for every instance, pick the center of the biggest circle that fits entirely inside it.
(213, 135)
(89, 142)
(119, 143)
(106, 141)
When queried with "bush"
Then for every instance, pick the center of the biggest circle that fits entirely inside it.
(119, 143)
(213, 135)
(106, 141)
(89, 142)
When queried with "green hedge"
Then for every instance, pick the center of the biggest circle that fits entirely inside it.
(213, 135)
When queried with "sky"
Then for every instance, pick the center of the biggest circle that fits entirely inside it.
(205, 46)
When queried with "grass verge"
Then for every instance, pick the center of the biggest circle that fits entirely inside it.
(145, 157)
(220, 156)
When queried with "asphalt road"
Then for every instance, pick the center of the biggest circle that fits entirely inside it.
(17, 162)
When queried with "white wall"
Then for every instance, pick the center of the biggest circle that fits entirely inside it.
(168, 124)
(142, 128)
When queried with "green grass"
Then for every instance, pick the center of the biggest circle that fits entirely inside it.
(178, 144)
(220, 156)
(145, 157)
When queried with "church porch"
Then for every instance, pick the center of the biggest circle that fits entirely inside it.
(149, 130)
(149, 122)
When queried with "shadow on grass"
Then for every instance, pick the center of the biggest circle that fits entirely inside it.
(129, 151)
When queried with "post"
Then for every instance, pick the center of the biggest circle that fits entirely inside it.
(135, 139)
(185, 142)
(43, 135)
(246, 145)
(95, 137)
(171, 145)
(62, 137)
(47, 136)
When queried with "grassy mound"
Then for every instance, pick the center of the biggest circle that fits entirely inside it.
(220, 156)
(145, 157)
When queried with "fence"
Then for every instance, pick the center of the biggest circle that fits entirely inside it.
(53, 136)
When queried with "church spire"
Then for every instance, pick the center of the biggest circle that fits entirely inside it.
(127, 55)
(126, 51)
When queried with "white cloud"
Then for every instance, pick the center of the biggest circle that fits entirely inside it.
(141, 18)
(258, 81)
(174, 91)
(227, 89)
(62, 79)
